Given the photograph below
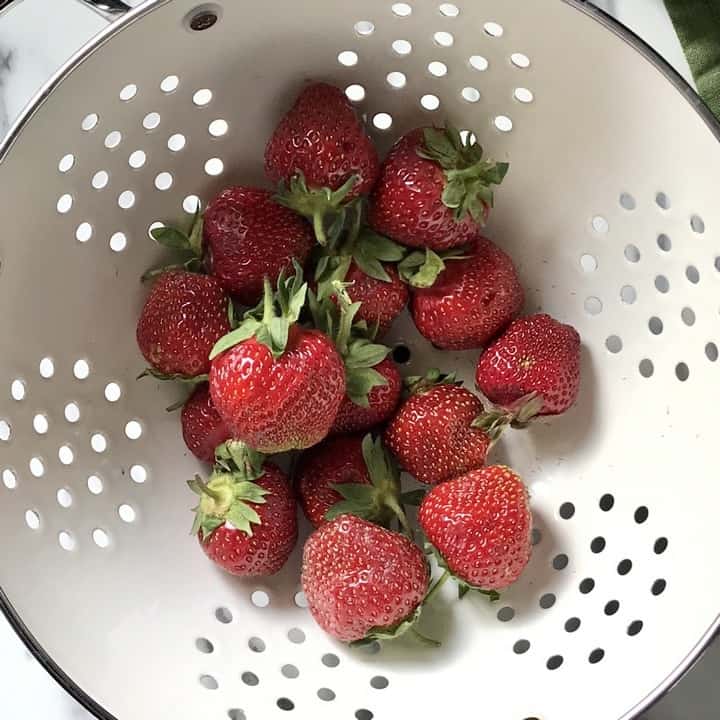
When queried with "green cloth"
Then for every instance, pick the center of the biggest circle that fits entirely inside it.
(697, 23)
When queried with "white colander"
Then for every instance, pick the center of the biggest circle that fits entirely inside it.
(611, 213)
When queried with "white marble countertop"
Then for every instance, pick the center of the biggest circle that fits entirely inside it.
(36, 37)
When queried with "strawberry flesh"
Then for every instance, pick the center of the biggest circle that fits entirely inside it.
(322, 138)
(472, 301)
(202, 427)
(537, 354)
(382, 402)
(337, 460)
(248, 236)
(432, 434)
(275, 404)
(184, 315)
(272, 540)
(480, 525)
(358, 576)
(407, 204)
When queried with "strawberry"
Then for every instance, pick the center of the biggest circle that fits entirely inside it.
(277, 385)
(432, 435)
(364, 262)
(184, 315)
(479, 524)
(350, 474)
(322, 155)
(248, 237)
(382, 399)
(472, 301)
(536, 356)
(434, 190)
(202, 428)
(363, 582)
(246, 520)
(372, 380)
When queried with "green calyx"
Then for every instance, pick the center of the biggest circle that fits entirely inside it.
(363, 246)
(463, 587)
(230, 493)
(152, 372)
(495, 421)
(352, 340)
(327, 209)
(392, 632)
(270, 322)
(421, 269)
(187, 245)
(469, 179)
(418, 384)
(380, 500)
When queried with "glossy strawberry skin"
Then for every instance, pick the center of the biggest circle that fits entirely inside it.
(202, 427)
(480, 523)
(381, 301)
(406, 204)
(535, 354)
(382, 400)
(249, 236)
(432, 437)
(284, 403)
(335, 461)
(472, 301)
(272, 541)
(184, 315)
(357, 576)
(322, 138)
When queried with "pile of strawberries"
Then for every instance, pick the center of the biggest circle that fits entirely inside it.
(274, 313)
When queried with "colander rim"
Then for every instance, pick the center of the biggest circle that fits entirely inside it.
(136, 14)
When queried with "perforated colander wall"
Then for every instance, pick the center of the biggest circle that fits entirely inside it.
(610, 213)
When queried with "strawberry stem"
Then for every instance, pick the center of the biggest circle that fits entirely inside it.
(436, 586)
(424, 639)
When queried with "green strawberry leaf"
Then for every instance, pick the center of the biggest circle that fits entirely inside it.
(421, 269)
(336, 270)
(171, 238)
(380, 247)
(195, 239)
(355, 492)
(370, 265)
(350, 507)
(186, 379)
(364, 354)
(245, 331)
(242, 516)
(360, 381)
(392, 632)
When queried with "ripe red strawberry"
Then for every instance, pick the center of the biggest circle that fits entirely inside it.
(184, 315)
(202, 428)
(536, 355)
(372, 381)
(363, 581)
(248, 236)
(434, 190)
(357, 469)
(472, 301)
(277, 385)
(322, 138)
(381, 402)
(322, 152)
(247, 527)
(480, 524)
(381, 301)
(432, 434)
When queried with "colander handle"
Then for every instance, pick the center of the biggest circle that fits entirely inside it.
(110, 9)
